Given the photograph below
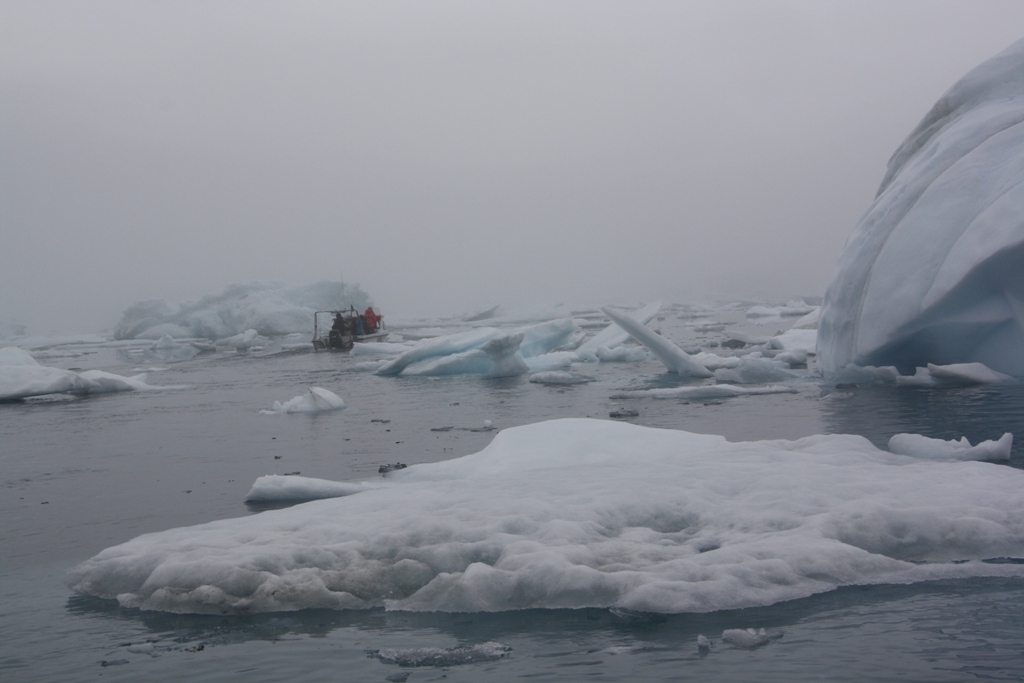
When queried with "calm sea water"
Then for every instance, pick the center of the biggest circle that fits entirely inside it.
(82, 474)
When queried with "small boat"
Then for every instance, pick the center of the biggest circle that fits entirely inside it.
(348, 327)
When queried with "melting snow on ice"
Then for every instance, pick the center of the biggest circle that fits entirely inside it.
(587, 513)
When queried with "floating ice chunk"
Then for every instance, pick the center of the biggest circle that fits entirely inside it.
(560, 377)
(924, 447)
(793, 339)
(443, 657)
(316, 400)
(797, 358)
(243, 341)
(614, 335)
(739, 339)
(499, 357)
(706, 391)
(556, 360)
(439, 346)
(712, 361)
(622, 354)
(809, 321)
(592, 513)
(755, 371)
(932, 273)
(674, 358)
(545, 337)
(274, 488)
(793, 307)
(379, 349)
(106, 382)
(21, 377)
(967, 374)
(746, 638)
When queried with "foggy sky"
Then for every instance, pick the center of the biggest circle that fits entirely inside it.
(453, 155)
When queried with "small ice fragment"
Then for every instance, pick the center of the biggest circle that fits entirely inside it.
(919, 446)
(442, 657)
(747, 639)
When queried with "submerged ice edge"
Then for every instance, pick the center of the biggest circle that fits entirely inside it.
(589, 513)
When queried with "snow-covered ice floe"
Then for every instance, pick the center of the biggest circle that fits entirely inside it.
(21, 376)
(920, 446)
(316, 400)
(932, 273)
(578, 513)
(277, 488)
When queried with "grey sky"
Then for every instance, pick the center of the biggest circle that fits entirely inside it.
(452, 155)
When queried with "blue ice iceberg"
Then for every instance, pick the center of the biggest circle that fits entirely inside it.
(932, 273)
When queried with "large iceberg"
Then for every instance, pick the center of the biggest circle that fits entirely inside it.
(579, 513)
(932, 273)
(270, 308)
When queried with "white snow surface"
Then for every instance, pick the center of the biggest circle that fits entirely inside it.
(920, 446)
(270, 308)
(316, 400)
(932, 272)
(590, 513)
(274, 488)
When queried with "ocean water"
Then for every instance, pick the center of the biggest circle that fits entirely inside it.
(82, 474)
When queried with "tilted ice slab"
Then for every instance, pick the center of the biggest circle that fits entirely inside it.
(614, 335)
(591, 513)
(674, 358)
(932, 273)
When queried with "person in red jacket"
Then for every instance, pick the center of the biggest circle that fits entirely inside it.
(371, 319)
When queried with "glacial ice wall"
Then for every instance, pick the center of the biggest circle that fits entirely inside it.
(932, 273)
